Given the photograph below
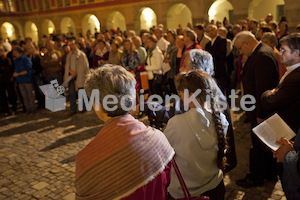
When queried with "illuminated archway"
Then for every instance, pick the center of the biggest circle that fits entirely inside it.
(47, 27)
(31, 30)
(8, 31)
(115, 20)
(67, 26)
(258, 9)
(220, 9)
(90, 22)
(145, 19)
(178, 14)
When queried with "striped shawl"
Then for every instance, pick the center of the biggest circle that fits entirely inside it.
(124, 156)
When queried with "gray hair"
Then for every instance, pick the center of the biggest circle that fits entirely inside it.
(212, 26)
(113, 80)
(201, 60)
(243, 36)
(223, 30)
(132, 32)
(271, 37)
(190, 34)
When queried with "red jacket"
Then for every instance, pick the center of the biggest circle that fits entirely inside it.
(194, 46)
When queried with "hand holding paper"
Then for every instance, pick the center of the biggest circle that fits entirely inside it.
(272, 130)
(285, 146)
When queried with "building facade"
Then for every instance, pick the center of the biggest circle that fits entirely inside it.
(35, 18)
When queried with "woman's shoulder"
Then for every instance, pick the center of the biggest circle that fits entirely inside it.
(157, 50)
(178, 119)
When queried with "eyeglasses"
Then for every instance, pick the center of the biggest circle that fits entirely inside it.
(282, 50)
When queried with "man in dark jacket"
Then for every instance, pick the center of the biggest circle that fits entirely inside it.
(260, 73)
(285, 98)
(6, 84)
(217, 48)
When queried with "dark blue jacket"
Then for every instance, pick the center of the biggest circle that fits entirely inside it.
(291, 172)
(23, 63)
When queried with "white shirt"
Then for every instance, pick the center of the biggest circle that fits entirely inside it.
(163, 44)
(194, 139)
(289, 70)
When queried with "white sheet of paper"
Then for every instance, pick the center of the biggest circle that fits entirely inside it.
(272, 129)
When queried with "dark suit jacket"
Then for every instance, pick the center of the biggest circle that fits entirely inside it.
(260, 73)
(218, 51)
(286, 101)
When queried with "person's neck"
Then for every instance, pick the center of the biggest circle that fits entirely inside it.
(189, 44)
(214, 37)
(297, 61)
(200, 37)
(254, 45)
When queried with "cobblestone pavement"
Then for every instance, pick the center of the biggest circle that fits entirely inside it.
(37, 154)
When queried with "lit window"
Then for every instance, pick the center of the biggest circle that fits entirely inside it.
(2, 9)
(47, 4)
(59, 3)
(67, 3)
(11, 5)
(28, 5)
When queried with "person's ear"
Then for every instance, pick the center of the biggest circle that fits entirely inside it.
(100, 112)
(297, 52)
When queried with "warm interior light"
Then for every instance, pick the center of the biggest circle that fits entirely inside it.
(50, 30)
(33, 27)
(9, 32)
(96, 22)
(148, 13)
(219, 9)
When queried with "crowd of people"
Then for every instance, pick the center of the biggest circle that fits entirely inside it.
(260, 57)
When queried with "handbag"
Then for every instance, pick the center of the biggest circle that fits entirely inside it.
(187, 195)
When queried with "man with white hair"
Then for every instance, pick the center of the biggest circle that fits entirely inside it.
(260, 73)
(77, 67)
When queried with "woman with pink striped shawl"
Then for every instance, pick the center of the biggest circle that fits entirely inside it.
(126, 160)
